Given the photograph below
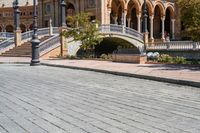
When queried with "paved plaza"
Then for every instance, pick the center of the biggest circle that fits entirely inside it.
(59, 100)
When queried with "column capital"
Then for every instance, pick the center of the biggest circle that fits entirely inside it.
(173, 20)
(139, 15)
(163, 18)
(129, 19)
(109, 10)
(151, 17)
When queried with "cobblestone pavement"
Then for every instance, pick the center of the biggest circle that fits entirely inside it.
(58, 100)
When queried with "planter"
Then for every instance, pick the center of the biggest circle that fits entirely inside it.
(129, 58)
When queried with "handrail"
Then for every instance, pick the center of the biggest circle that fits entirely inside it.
(6, 35)
(7, 43)
(25, 36)
(47, 44)
(175, 46)
(106, 28)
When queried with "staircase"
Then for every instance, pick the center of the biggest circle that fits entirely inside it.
(22, 51)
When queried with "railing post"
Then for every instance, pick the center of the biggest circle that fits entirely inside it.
(123, 29)
(50, 27)
(194, 45)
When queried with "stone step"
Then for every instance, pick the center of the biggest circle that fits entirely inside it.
(22, 51)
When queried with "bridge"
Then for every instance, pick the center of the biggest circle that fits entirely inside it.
(53, 43)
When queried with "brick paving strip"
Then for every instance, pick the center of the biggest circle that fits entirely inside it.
(56, 100)
(184, 75)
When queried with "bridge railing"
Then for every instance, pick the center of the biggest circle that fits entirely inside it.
(106, 28)
(133, 32)
(49, 44)
(180, 45)
(6, 35)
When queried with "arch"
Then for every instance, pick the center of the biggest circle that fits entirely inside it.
(171, 9)
(121, 2)
(117, 9)
(22, 27)
(161, 7)
(168, 21)
(157, 24)
(70, 9)
(9, 28)
(149, 7)
(133, 4)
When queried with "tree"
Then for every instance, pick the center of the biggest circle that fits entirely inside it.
(82, 29)
(190, 15)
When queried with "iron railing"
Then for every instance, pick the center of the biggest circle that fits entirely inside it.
(180, 45)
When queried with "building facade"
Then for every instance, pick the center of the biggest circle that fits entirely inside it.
(7, 15)
(163, 15)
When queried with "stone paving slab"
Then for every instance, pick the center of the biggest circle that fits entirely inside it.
(59, 100)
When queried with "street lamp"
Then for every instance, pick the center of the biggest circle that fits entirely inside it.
(63, 15)
(16, 15)
(35, 41)
(145, 16)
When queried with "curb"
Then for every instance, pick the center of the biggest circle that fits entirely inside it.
(161, 79)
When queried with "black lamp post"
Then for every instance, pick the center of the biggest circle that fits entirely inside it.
(63, 15)
(16, 15)
(35, 41)
(145, 16)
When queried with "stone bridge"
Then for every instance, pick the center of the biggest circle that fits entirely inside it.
(107, 31)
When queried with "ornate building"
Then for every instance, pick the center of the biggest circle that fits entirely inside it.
(7, 15)
(163, 15)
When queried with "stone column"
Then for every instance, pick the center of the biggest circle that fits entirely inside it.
(163, 28)
(151, 31)
(50, 27)
(115, 20)
(139, 22)
(129, 22)
(173, 28)
(124, 18)
(108, 18)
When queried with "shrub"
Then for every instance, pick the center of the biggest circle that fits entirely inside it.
(179, 60)
(104, 56)
(164, 58)
(195, 62)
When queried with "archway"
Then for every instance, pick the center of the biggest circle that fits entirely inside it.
(168, 22)
(1, 29)
(9, 28)
(23, 28)
(70, 11)
(109, 45)
(157, 23)
(117, 9)
(133, 10)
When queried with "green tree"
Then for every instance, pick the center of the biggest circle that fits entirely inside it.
(82, 29)
(190, 15)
